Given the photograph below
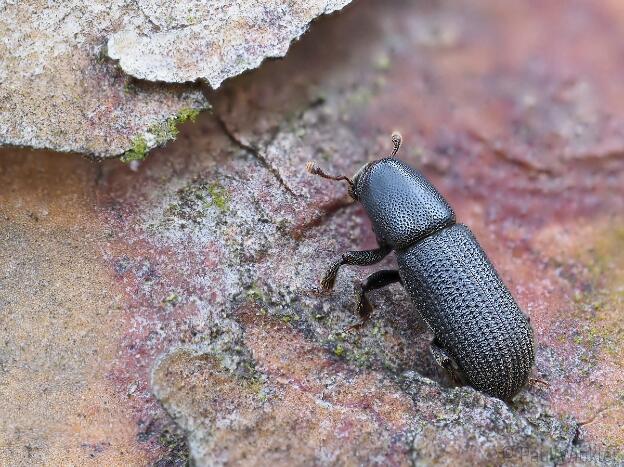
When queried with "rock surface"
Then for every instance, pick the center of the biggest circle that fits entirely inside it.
(183, 294)
(59, 90)
(211, 41)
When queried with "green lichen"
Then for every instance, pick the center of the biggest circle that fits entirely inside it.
(161, 131)
(361, 96)
(171, 299)
(363, 357)
(187, 114)
(137, 152)
(220, 197)
(101, 56)
(254, 293)
(382, 62)
(168, 130)
(129, 87)
(256, 386)
(288, 318)
(340, 335)
(598, 306)
(175, 446)
(339, 351)
(197, 199)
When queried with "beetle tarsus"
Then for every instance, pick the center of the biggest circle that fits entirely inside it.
(329, 279)
(364, 310)
(363, 307)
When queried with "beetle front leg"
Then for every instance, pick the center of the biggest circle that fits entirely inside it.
(353, 258)
(377, 280)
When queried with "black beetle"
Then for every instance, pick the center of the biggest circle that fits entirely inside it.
(482, 338)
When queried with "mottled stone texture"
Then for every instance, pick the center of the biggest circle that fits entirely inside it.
(211, 41)
(59, 88)
(183, 295)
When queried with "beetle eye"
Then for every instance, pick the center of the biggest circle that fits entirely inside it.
(357, 175)
(351, 192)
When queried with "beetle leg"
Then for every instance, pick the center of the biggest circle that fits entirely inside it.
(533, 381)
(377, 280)
(353, 258)
(444, 359)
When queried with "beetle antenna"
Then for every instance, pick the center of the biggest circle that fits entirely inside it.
(396, 143)
(314, 169)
